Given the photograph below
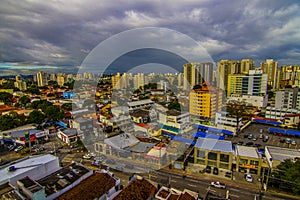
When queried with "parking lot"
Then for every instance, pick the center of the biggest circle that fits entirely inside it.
(259, 132)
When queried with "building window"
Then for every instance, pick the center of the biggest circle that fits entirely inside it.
(97, 147)
(200, 154)
(254, 162)
(224, 158)
(212, 163)
(243, 161)
(212, 156)
(200, 161)
(224, 166)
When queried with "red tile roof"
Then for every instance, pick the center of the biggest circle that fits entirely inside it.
(138, 189)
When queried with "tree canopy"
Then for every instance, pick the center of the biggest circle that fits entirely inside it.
(286, 176)
(174, 106)
(6, 97)
(36, 117)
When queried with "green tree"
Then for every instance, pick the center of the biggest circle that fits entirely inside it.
(54, 113)
(68, 106)
(6, 122)
(33, 90)
(24, 100)
(36, 117)
(174, 106)
(286, 176)
(6, 97)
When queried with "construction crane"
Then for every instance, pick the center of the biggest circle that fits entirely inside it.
(14, 168)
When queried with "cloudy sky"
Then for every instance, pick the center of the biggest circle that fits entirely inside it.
(63, 32)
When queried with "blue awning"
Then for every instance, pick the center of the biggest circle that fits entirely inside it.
(201, 134)
(213, 130)
(292, 132)
(264, 121)
(276, 130)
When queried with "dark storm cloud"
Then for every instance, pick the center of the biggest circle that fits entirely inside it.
(63, 32)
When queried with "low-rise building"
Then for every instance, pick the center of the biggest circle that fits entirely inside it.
(33, 167)
(224, 121)
(68, 136)
(248, 159)
(260, 101)
(137, 105)
(31, 189)
(214, 153)
(101, 185)
(138, 188)
(277, 155)
(64, 179)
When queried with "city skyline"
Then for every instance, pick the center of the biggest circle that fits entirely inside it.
(62, 34)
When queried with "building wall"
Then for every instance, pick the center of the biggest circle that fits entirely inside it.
(256, 101)
(244, 163)
(221, 160)
(270, 67)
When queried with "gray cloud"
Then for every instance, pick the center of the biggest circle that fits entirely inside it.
(63, 32)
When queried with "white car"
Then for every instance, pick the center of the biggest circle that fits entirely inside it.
(89, 156)
(19, 148)
(218, 184)
(249, 178)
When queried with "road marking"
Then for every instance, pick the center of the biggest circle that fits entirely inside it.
(234, 195)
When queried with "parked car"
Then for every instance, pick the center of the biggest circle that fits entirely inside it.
(218, 184)
(282, 140)
(89, 156)
(288, 140)
(216, 171)
(11, 147)
(240, 143)
(246, 136)
(261, 136)
(257, 145)
(266, 138)
(293, 142)
(254, 138)
(96, 163)
(250, 136)
(249, 143)
(19, 148)
(249, 178)
(208, 169)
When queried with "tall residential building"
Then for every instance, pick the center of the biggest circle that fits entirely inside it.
(180, 80)
(52, 77)
(42, 79)
(289, 76)
(196, 74)
(205, 102)
(229, 67)
(115, 81)
(270, 67)
(20, 84)
(60, 79)
(139, 80)
(288, 98)
(253, 83)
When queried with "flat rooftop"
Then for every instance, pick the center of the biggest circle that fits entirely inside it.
(30, 184)
(247, 151)
(62, 178)
(25, 166)
(214, 144)
(281, 154)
